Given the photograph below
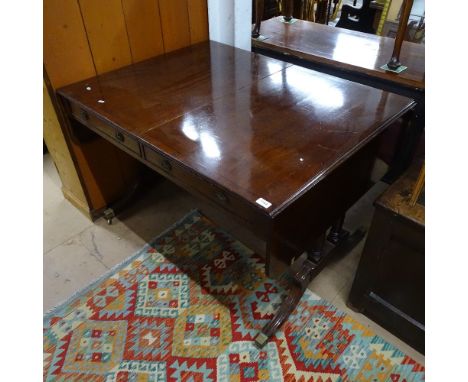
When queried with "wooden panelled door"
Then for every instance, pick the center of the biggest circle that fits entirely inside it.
(83, 38)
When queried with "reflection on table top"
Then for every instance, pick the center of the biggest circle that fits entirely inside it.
(256, 126)
(343, 49)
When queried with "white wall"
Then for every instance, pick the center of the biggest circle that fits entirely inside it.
(230, 22)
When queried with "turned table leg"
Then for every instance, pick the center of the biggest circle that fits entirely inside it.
(394, 62)
(259, 6)
(288, 10)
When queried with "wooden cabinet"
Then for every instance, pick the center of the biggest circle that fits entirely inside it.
(389, 283)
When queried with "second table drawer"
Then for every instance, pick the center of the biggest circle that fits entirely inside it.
(191, 181)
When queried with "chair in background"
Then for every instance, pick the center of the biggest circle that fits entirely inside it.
(415, 31)
(358, 19)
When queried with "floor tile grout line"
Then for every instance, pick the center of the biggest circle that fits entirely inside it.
(93, 224)
(99, 260)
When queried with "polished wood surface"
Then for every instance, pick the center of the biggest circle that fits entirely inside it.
(257, 127)
(343, 49)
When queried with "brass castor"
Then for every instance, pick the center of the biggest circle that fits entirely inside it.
(109, 214)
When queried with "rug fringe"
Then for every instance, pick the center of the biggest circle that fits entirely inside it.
(50, 312)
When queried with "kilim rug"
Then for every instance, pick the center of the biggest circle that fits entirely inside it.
(186, 308)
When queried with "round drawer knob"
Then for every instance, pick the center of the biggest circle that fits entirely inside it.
(221, 196)
(166, 165)
(119, 136)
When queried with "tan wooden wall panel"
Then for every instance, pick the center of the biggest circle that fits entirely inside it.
(198, 16)
(144, 28)
(107, 34)
(67, 56)
(58, 149)
(175, 24)
(86, 37)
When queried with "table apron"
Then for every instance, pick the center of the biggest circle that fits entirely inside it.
(242, 211)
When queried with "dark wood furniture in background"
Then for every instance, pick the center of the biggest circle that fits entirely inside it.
(358, 19)
(389, 283)
(358, 57)
(280, 148)
(270, 9)
(316, 10)
(378, 7)
(263, 10)
(322, 11)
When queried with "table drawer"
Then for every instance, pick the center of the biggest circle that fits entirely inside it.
(183, 175)
(96, 123)
(191, 181)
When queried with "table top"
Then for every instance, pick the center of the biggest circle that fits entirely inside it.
(343, 49)
(256, 126)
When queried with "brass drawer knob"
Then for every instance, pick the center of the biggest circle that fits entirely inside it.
(221, 196)
(119, 136)
(166, 165)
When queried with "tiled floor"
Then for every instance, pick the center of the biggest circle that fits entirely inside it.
(77, 251)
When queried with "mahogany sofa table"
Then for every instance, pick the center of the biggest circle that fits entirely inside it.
(283, 149)
(355, 56)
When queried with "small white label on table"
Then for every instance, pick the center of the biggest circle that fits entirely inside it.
(264, 203)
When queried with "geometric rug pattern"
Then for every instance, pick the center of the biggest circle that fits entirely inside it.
(186, 308)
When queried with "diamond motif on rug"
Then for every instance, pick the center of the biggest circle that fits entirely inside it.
(202, 331)
(186, 308)
(162, 295)
(149, 339)
(244, 362)
(95, 346)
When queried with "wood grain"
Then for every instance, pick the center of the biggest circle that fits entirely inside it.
(198, 16)
(418, 186)
(55, 141)
(107, 34)
(302, 140)
(204, 118)
(397, 199)
(67, 56)
(175, 24)
(144, 28)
